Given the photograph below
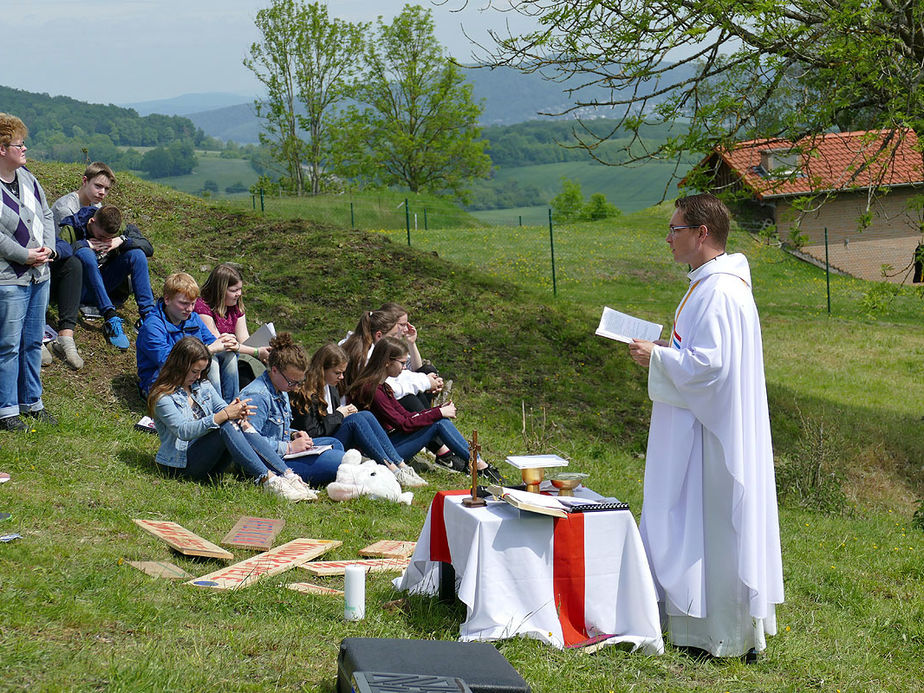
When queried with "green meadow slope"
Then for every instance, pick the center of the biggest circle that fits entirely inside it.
(845, 398)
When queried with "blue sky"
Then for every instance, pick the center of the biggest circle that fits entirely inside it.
(125, 51)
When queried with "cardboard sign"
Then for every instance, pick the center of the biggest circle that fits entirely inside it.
(263, 565)
(254, 533)
(372, 565)
(160, 569)
(388, 548)
(181, 539)
(309, 588)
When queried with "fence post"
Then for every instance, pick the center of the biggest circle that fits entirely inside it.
(521, 220)
(253, 201)
(827, 271)
(262, 207)
(426, 228)
(552, 245)
(407, 221)
(352, 221)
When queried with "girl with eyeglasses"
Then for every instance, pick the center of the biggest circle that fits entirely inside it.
(272, 417)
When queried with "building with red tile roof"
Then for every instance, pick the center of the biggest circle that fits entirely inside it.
(862, 187)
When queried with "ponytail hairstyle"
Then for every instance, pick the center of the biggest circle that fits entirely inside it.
(362, 391)
(357, 344)
(314, 388)
(183, 356)
(216, 286)
(286, 353)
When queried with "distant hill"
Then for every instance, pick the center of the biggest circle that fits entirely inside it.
(508, 97)
(188, 103)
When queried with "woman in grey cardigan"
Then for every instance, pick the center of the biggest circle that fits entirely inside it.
(27, 240)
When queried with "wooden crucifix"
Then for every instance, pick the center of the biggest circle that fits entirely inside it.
(474, 448)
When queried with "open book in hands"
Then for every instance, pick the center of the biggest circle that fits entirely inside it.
(625, 328)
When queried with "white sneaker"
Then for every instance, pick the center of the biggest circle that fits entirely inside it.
(46, 356)
(283, 489)
(66, 350)
(300, 485)
(406, 476)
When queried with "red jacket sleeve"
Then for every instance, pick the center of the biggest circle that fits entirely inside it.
(394, 417)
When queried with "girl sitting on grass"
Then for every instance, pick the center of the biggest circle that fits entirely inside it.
(200, 435)
(272, 416)
(410, 431)
(221, 307)
(315, 411)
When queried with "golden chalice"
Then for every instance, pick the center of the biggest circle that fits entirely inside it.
(532, 477)
(566, 482)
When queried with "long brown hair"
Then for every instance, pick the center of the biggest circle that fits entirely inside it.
(357, 344)
(216, 286)
(362, 391)
(183, 356)
(314, 388)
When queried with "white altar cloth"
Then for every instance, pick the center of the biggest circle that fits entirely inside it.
(569, 582)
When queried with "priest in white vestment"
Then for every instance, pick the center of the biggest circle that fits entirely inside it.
(709, 518)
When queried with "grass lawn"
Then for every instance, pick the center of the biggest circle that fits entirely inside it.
(845, 394)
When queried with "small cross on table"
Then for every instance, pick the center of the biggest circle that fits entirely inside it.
(474, 448)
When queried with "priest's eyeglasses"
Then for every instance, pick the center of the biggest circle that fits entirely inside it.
(675, 229)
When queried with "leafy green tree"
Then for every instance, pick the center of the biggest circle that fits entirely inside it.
(567, 205)
(210, 186)
(327, 63)
(732, 70)
(416, 123)
(598, 208)
(274, 61)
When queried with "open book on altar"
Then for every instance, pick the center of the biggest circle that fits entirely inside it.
(556, 506)
(625, 328)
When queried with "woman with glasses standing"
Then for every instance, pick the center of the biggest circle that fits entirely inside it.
(27, 240)
(272, 415)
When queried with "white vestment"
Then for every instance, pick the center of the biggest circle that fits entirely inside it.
(709, 519)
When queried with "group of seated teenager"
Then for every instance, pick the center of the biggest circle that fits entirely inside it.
(187, 353)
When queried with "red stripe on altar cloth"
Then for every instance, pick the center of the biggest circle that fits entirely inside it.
(439, 544)
(568, 577)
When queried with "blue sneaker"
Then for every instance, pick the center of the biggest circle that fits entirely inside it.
(113, 331)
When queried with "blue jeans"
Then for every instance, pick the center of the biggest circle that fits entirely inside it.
(319, 470)
(213, 453)
(364, 432)
(409, 444)
(22, 326)
(223, 375)
(98, 282)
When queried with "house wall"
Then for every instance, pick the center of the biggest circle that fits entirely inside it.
(882, 251)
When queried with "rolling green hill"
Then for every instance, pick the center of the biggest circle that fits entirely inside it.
(845, 396)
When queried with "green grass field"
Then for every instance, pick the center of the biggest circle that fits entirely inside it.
(225, 172)
(845, 396)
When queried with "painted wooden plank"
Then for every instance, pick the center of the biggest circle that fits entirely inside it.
(372, 565)
(253, 533)
(181, 539)
(160, 569)
(389, 548)
(265, 564)
(309, 588)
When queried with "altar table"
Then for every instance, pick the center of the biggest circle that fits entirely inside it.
(566, 581)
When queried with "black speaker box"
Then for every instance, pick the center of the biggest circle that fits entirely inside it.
(478, 664)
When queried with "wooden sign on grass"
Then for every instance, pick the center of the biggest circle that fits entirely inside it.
(160, 569)
(254, 533)
(263, 565)
(372, 565)
(309, 588)
(389, 548)
(181, 539)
